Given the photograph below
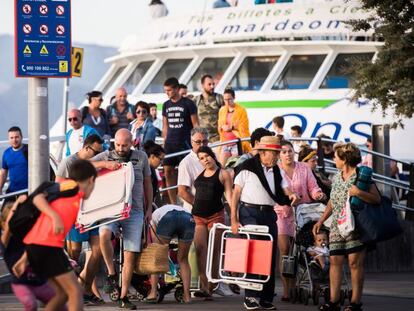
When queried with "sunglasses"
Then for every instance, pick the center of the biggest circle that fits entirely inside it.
(95, 152)
(201, 142)
(99, 99)
(72, 119)
(141, 111)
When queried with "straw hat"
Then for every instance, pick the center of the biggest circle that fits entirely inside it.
(269, 143)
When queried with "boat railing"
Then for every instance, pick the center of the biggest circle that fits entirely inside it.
(325, 165)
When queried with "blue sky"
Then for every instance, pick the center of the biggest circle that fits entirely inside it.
(107, 22)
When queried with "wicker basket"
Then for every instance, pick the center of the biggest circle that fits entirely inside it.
(153, 259)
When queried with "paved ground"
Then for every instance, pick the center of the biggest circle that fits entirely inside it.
(382, 292)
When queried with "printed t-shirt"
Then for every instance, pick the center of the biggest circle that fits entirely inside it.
(179, 119)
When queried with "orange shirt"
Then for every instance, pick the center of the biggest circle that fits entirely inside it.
(42, 232)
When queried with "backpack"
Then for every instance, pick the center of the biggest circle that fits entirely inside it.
(26, 213)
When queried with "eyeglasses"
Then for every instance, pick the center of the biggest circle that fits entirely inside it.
(161, 158)
(95, 152)
(201, 142)
(72, 119)
(141, 111)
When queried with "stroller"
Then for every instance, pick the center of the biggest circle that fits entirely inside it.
(311, 282)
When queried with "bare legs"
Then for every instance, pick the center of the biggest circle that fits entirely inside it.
(284, 243)
(171, 180)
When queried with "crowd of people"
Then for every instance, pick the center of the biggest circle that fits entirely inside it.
(260, 187)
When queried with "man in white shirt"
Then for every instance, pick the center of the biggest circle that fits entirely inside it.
(78, 133)
(278, 123)
(258, 186)
(190, 167)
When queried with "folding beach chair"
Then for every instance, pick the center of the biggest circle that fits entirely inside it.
(244, 260)
(111, 199)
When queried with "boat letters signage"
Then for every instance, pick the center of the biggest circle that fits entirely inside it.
(255, 22)
(42, 38)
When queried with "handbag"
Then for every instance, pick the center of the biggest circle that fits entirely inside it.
(153, 259)
(290, 263)
(376, 223)
(346, 221)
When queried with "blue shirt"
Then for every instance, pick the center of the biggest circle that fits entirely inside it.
(17, 165)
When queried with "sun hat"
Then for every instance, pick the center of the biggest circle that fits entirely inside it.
(269, 143)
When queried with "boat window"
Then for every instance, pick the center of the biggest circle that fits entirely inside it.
(299, 72)
(339, 76)
(137, 75)
(171, 68)
(212, 66)
(253, 72)
(113, 79)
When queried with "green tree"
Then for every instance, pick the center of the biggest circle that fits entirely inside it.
(389, 81)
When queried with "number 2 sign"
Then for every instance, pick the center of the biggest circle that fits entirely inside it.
(77, 61)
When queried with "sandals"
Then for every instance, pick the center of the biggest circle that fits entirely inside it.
(201, 294)
(330, 306)
(354, 307)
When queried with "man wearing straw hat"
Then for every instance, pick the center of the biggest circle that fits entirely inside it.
(258, 186)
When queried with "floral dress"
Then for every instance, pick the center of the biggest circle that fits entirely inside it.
(339, 194)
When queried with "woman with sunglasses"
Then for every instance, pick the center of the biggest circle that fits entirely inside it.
(94, 116)
(142, 128)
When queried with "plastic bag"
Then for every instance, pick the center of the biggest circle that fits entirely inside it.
(346, 221)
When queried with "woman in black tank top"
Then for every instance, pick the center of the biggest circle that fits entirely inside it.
(208, 207)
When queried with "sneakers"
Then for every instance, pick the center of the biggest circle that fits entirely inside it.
(124, 303)
(251, 303)
(92, 300)
(264, 305)
(223, 290)
(110, 283)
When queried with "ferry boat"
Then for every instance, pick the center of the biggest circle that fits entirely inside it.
(285, 59)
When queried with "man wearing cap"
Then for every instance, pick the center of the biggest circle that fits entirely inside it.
(258, 186)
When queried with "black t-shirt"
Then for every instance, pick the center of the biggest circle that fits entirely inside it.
(179, 119)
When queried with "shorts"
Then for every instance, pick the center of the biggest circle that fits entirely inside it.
(47, 261)
(230, 150)
(211, 220)
(178, 224)
(131, 230)
(173, 148)
(74, 235)
(285, 220)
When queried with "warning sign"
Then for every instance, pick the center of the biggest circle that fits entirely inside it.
(60, 29)
(43, 9)
(27, 50)
(63, 66)
(60, 10)
(44, 50)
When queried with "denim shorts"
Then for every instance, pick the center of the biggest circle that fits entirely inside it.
(178, 224)
(131, 230)
(74, 235)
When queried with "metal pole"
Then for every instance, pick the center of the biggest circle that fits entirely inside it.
(381, 143)
(65, 103)
(38, 132)
(321, 155)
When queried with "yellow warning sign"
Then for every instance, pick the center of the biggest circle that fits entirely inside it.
(63, 66)
(27, 50)
(44, 50)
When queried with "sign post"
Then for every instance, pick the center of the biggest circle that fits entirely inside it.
(42, 51)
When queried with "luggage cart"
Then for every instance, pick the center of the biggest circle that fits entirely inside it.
(244, 260)
(110, 201)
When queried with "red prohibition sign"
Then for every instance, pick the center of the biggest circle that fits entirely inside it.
(27, 9)
(44, 30)
(43, 9)
(60, 10)
(60, 30)
(27, 29)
